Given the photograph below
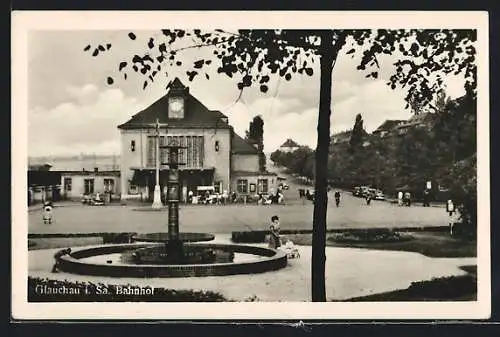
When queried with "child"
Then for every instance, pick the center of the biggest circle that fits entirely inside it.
(47, 213)
(274, 233)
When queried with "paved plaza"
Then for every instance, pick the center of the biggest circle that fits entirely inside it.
(353, 213)
(350, 273)
(294, 214)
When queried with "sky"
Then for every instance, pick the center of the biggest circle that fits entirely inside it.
(72, 110)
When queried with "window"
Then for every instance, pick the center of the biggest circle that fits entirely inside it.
(217, 186)
(132, 145)
(109, 185)
(262, 185)
(88, 185)
(151, 158)
(67, 184)
(242, 185)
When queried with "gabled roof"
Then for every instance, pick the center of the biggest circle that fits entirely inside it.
(389, 124)
(289, 143)
(241, 146)
(196, 115)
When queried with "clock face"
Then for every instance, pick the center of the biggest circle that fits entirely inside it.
(176, 107)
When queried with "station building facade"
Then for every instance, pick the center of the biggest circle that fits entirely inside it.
(214, 155)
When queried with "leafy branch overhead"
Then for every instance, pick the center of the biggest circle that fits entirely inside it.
(254, 56)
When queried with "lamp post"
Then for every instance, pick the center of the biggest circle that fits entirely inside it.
(157, 193)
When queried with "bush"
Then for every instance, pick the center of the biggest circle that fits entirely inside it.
(91, 292)
(117, 237)
(249, 237)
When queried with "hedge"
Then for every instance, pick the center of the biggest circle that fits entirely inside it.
(259, 236)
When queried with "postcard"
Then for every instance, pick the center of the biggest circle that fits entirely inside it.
(250, 165)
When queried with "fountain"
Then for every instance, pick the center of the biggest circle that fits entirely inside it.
(171, 254)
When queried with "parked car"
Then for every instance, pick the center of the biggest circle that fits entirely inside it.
(93, 199)
(356, 191)
(365, 191)
(379, 195)
(86, 198)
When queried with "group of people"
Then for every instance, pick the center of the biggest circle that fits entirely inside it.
(306, 194)
(272, 198)
(208, 198)
(404, 199)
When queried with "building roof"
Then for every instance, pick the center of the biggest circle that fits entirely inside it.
(241, 146)
(290, 143)
(196, 115)
(389, 124)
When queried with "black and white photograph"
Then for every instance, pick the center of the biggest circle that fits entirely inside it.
(241, 165)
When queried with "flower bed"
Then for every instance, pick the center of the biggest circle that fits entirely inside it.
(365, 236)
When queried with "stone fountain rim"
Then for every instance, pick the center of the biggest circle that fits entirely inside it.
(276, 260)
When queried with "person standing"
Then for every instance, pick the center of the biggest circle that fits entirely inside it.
(337, 198)
(407, 199)
(368, 199)
(400, 198)
(274, 233)
(426, 198)
(47, 212)
(190, 197)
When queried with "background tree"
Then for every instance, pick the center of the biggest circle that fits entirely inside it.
(254, 55)
(357, 133)
(255, 136)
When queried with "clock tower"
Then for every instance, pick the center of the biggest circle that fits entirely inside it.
(176, 100)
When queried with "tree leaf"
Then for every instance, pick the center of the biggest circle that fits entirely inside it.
(198, 64)
(144, 85)
(191, 75)
(101, 48)
(108, 46)
(122, 65)
(110, 80)
(351, 51)
(309, 71)
(288, 77)
(131, 36)
(151, 44)
(263, 88)
(179, 63)
(87, 48)
(96, 52)
(208, 77)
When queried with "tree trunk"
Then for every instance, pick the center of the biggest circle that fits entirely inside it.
(321, 197)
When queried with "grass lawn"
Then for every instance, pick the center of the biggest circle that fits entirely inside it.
(431, 244)
(50, 243)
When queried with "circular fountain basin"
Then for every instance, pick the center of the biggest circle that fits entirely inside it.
(101, 261)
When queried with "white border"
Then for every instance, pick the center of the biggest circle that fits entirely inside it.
(24, 21)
